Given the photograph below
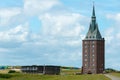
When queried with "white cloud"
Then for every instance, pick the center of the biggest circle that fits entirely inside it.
(3, 50)
(61, 36)
(109, 35)
(33, 7)
(74, 42)
(112, 36)
(118, 36)
(67, 24)
(6, 15)
(17, 34)
(115, 17)
(112, 33)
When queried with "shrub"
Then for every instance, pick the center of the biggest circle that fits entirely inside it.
(5, 76)
(12, 71)
(109, 70)
(118, 71)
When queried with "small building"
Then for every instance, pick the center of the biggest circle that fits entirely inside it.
(39, 69)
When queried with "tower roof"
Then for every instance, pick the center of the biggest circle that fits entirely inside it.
(93, 13)
(93, 32)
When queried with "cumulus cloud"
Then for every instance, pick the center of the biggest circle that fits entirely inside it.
(6, 15)
(33, 7)
(14, 37)
(112, 33)
(108, 36)
(115, 17)
(60, 37)
(112, 36)
(18, 33)
(62, 25)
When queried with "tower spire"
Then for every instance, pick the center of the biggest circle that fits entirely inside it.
(93, 32)
(93, 19)
(93, 13)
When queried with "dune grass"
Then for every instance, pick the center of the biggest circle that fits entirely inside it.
(4, 71)
(70, 71)
(115, 74)
(55, 77)
(66, 74)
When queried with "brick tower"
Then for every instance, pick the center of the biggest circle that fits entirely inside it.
(93, 49)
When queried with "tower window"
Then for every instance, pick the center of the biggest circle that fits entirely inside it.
(86, 51)
(85, 59)
(93, 69)
(85, 46)
(100, 68)
(85, 42)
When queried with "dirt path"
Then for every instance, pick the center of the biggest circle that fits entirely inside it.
(112, 77)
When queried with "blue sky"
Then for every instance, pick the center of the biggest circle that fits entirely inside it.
(37, 32)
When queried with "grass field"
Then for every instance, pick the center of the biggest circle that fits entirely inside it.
(70, 71)
(55, 77)
(115, 74)
(4, 71)
(65, 75)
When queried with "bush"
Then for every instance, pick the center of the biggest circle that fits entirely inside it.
(5, 76)
(109, 70)
(118, 71)
(12, 71)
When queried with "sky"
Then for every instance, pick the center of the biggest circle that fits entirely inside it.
(50, 32)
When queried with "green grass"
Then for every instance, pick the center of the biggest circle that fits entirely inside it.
(66, 74)
(4, 71)
(55, 77)
(70, 71)
(115, 74)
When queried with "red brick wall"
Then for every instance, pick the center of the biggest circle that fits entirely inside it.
(93, 56)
